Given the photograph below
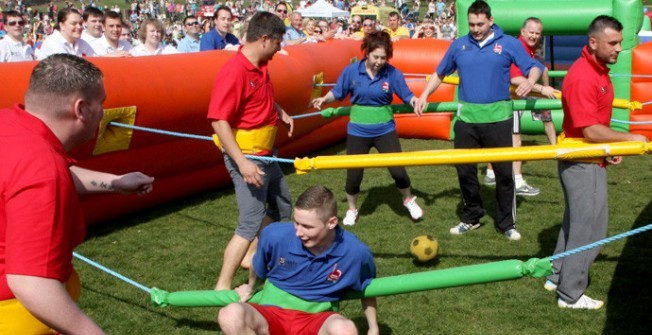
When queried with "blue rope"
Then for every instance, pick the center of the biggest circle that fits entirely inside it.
(197, 137)
(631, 122)
(113, 273)
(601, 242)
(301, 116)
(159, 131)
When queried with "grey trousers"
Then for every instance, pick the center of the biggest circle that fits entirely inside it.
(585, 221)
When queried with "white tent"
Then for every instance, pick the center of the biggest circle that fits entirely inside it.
(321, 8)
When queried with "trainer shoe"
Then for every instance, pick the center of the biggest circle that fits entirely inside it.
(462, 228)
(351, 217)
(527, 190)
(513, 235)
(490, 181)
(550, 286)
(584, 302)
(415, 211)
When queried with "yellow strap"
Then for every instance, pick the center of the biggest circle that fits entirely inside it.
(252, 141)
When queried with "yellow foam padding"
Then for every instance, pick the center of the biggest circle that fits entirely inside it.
(617, 103)
(567, 149)
(113, 138)
(317, 90)
(252, 141)
(450, 80)
(16, 319)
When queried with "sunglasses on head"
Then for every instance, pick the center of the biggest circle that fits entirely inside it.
(195, 23)
(13, 23)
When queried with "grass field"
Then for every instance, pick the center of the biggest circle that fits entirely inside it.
(178, 246)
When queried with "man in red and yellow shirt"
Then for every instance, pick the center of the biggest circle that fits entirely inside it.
(41, 221)
(244, 117)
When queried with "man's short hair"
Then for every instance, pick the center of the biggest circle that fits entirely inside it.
(62, 75)
(185, 20)
(113, 15)
(92, 11)
(10, 13)
(320, 199)
(265, 23)
(142, 31)
(532, 19)
(480, 7)
(602, 23)
(222, 8)
(394, 14)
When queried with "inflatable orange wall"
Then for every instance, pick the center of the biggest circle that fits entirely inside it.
(641, 89)
(173, 92)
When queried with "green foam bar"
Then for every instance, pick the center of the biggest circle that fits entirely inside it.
(406, 283)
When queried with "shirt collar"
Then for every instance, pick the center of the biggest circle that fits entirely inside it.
(296, 247)
(247, 64)
(532, 51)
(362, 70)
(35, 124)
(598, 66)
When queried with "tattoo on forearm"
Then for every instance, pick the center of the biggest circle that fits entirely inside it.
(102, 185)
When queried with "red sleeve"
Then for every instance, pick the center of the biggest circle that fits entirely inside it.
(514, 71)
(227, 95)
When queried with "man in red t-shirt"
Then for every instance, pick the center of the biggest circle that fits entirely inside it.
(40, 215)
(530, 37)
(587, 98)
(244, 116)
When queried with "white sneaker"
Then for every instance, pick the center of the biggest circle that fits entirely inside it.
(584, 302)
(550, 286)
(513, 234)
(463, 228)
(415, 211)
(351, 217)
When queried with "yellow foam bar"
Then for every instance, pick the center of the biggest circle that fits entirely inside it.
(565, 151)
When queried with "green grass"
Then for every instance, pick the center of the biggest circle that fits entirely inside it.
(178, 246)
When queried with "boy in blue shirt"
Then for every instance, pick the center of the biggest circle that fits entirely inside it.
(309, 266)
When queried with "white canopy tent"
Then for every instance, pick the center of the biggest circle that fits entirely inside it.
(321, 8)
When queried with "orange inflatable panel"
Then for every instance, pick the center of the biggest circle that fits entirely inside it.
(173, 92)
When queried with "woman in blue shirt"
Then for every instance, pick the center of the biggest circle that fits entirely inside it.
(372, 83)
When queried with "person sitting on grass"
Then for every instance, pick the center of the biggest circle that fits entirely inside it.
(309, 266)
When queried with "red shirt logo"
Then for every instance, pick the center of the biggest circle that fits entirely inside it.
(498, 49)
(335, 275)
(385, 87)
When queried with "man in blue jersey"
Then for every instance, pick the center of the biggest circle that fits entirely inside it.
(309, 266)
(220, 37)
(482, 59)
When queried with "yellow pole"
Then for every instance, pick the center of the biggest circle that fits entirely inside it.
(573, 150)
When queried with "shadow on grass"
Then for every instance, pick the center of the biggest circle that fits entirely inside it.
(630, 296)
(363, 327)
(390, 196)
(173, 207)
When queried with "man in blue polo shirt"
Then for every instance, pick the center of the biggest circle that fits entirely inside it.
(220, 37)
(482, 59)
(309, 266)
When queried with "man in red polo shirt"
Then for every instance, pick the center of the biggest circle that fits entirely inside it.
(40, 215)
(244, 116)
(531, 34)
(587, 96)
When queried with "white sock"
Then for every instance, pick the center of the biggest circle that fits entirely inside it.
(490, 173)
(518, 180)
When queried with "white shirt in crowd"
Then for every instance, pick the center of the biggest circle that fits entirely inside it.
(102, 47)
(15, 51)
(57, 44)
(90, 38)
(140, 50)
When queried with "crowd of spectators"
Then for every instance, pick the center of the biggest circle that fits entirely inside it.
(194, 25)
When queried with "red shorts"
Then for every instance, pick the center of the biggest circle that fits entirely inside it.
(289, 322)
